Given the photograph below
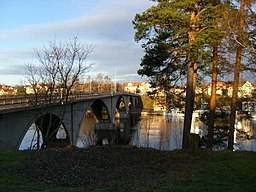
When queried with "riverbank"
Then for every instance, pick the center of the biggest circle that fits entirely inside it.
(126, 168)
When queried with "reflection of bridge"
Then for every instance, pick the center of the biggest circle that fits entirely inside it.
(17, 115)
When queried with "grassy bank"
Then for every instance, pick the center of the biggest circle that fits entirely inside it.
(120, 168)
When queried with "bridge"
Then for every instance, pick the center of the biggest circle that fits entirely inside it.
(18, 114)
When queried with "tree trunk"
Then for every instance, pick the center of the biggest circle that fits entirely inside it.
(190, 95)
(191, 79)
(236, 76)
(212, 104)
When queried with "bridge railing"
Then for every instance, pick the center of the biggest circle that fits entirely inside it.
(15, 102)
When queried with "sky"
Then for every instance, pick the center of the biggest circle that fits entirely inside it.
(28, 26)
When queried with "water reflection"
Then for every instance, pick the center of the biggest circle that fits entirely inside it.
(163, 132)
(120, 132)
(33, 137)
(245, 135)
(158, 132)
(87, 136)
(155, 131)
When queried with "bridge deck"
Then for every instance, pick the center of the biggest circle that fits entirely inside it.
(16, 103)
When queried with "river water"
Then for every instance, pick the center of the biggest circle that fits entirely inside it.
(154, 131)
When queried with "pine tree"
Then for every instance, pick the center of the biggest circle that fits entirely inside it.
(189, 25)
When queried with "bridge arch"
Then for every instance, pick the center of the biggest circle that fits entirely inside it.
(130, 103)
(98, 113)
(121, 104)
(48, 126)
(100, 110)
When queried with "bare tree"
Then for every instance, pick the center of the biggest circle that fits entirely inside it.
(103, 83)
(33, 74)
(59, 67)
(72, 63)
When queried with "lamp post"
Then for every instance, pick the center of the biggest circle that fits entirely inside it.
(115, 82)
(90, 84)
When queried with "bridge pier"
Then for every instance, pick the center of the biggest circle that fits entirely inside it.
(122, 115)
(105, 125)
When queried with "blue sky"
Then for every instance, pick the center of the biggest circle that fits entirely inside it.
(28, 25)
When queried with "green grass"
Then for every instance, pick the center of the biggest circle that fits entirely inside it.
(211, 171)
(220, 171)
(11, 181)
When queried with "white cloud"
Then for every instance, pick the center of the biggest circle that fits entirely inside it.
(109, 29)
(114, 20)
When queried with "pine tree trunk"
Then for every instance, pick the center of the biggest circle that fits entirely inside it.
(212, 104)
(191, 79)
(236, 76)
(190, 95)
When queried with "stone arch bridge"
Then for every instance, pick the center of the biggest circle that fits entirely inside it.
(16, 116)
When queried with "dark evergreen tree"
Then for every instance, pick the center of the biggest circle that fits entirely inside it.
(188, 26)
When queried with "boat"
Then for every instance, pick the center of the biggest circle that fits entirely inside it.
(174, 113)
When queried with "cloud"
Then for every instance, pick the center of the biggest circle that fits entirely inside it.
(111, 27)
(16, 53)
(107, 27)
(112, 20)
(13, 70)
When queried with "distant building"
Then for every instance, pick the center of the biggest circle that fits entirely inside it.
(29, 89)
(7, 90)
(137, 87)
(245, 89)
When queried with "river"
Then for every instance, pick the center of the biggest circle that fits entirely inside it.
(154, 131)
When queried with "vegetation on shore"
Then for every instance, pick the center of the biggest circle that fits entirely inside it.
(126, 168)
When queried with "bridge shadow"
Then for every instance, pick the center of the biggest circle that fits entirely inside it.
(120, 133)
(46, 132)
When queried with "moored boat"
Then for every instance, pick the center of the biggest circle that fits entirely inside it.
(174, 113)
